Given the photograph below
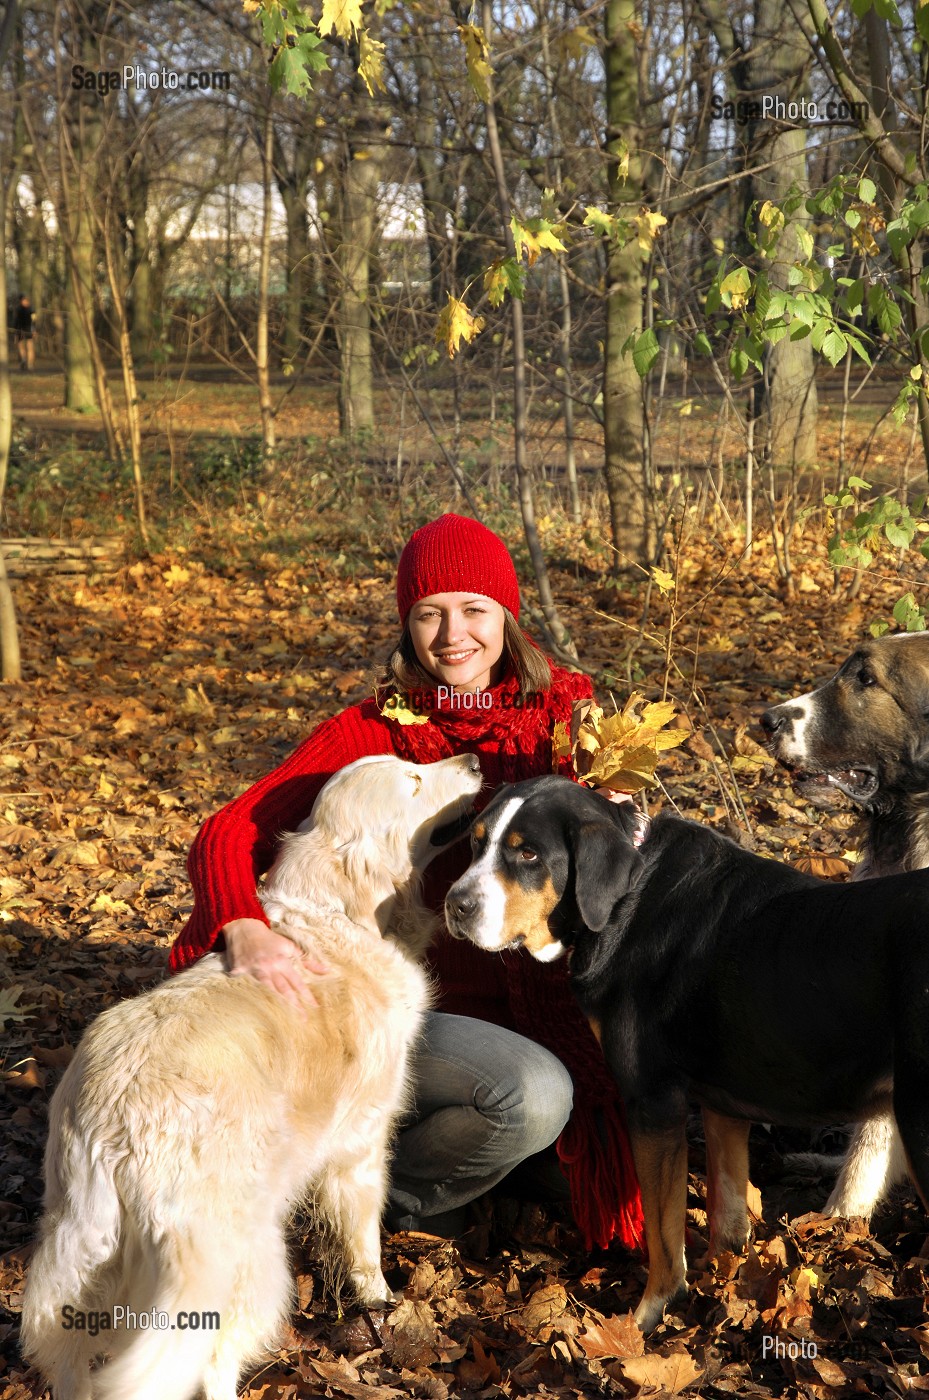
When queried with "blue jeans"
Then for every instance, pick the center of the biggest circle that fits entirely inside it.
(485, 1099)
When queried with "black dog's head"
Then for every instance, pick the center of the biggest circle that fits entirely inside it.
(549, 857)
(866, 731)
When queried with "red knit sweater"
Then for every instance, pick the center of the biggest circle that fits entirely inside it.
(237, 845)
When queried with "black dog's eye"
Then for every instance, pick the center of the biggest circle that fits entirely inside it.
(864, 677)
(526, 853)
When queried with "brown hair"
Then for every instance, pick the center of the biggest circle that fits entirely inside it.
(404, 671)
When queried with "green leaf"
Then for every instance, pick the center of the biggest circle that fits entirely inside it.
(884, 309)
(645, 352)
(867, 190)
(834, 347)
(898, 236)
(805, 239)
(502, 276)
(776, 306)
(877, 629)
(887, 9)
(859, 484)
(918, 216)
(854, 296)
(599, 221)
(908, 614)
(295, 62)
(857, 348)
(898, 535)
(702, 344)
(735, 287)
(738, 361)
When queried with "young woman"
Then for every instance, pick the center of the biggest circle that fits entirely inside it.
(507, 1064)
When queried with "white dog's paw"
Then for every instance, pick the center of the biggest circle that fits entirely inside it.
(373, 1291)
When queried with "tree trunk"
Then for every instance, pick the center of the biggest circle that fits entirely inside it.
(140, 271)
(779, 66)
(116, 277)
(83, 118)
(292, 176)
(623, 425)
(360, 177)
(10, 665)
(262, 365)
(298, 252)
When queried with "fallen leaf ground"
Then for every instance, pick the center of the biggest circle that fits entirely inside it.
(157, 693)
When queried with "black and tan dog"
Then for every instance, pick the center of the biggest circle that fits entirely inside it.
(711, 974)
(865, 734)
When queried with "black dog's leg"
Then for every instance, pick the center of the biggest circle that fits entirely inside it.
(661, 1165)
(726, 1181)
(911, 1074)
(912, 1115)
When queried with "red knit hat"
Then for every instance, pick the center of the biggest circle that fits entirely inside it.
(456, 555)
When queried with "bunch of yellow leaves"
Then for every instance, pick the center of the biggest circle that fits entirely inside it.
(618, 751)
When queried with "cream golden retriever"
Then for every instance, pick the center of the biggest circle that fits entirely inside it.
(194, 1119)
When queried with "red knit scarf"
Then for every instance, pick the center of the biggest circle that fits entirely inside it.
(594, 1147)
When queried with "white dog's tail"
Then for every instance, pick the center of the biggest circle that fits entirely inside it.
(79, 1271)
(168, 1362)
(80, 1238)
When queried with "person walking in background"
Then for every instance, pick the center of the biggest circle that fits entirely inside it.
(24, 328)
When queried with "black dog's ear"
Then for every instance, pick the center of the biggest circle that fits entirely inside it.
(605, 862)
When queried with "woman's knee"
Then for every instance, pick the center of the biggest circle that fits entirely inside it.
(531, 1097)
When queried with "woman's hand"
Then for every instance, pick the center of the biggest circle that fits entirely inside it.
(612, 796)
(255, 950)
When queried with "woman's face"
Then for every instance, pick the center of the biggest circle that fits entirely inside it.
(458, 638)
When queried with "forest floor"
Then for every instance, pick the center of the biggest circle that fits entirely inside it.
(153, 694)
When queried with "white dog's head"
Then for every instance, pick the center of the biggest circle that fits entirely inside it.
(375, 825)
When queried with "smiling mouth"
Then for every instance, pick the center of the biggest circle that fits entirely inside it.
(858, 783)
(452, 658)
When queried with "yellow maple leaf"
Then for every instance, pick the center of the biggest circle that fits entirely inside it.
(476, 57)
(395, 708)
(619, 751)
(578, 39)
(456, 324)
(623, 769)
(663, 581)
(175, 575)
(251, 7)
(648, 224)
(561, 740)
(524, 238)
(548, 238)
(371, 62)
(496, 282)
(864, 240)
(343, 16)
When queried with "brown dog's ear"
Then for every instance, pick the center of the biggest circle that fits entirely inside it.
(605, 864)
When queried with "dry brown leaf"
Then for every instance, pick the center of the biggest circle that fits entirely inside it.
(826, 867)
(545, 1307)
(605, 1337)
(413, 1334)
(674, 1373)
